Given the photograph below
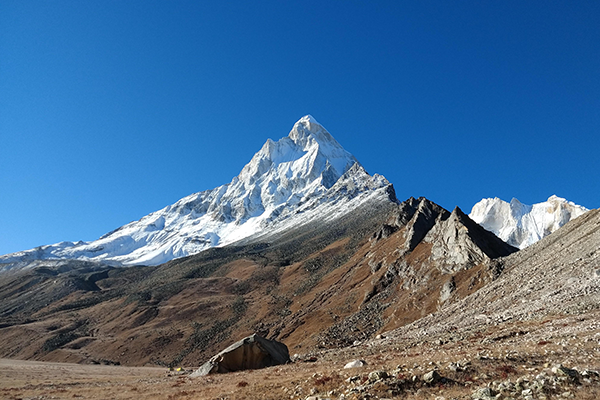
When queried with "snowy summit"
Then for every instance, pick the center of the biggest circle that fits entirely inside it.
(520, 224)
(299, 178)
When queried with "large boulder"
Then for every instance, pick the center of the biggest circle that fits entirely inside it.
(252, 352)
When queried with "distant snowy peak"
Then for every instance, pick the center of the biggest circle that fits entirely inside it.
(520, 224)
(298, 178)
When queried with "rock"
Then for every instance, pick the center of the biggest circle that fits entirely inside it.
(455, 367)
(252, 352)
(355, 364)
(564, 371)
(432, 377)
(447, 290)
(375, 266)
(459, 243)
(485, 393)
(377, 376)
(590, 374)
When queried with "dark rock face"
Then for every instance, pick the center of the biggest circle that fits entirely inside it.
(458, 242)
(418, 216)
(252, 352)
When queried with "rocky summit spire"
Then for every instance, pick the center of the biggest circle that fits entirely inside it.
(307, 131)
(307, 154)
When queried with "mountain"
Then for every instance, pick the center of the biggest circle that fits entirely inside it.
(557, 277)
(520, 224)
(325, 283)
(523, 326)
(305, 176)
(335, 267)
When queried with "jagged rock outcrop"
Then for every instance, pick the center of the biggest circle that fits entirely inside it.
(457, 242)
(556, 275)
(417, 216)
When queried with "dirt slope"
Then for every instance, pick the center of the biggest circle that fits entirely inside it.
(314, 287)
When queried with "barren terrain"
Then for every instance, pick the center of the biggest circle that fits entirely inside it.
(512, 359)
(418, 301)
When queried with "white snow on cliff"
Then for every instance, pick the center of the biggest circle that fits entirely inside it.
(301, 177)
(520, 224)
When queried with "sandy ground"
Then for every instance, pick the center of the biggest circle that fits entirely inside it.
(45, 380)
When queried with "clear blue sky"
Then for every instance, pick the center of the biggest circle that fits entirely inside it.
(110, 110)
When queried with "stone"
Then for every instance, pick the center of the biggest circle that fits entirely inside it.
(485, 393)
(447, 290)
(561, 370)
(355, 364)
(456, 367)
(252, 352)
(432, 377)
(590, 374)
(377, 376)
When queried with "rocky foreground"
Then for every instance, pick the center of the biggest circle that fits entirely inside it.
(427, 305)
(556, 357)
(533, 332)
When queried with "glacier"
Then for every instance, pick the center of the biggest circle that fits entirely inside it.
(520, 224)
(305, 176)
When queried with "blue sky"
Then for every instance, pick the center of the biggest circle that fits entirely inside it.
(110, 110)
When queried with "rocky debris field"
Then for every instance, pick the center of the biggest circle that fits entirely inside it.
(553, 358)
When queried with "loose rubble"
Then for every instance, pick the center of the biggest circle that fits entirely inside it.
(559, 382)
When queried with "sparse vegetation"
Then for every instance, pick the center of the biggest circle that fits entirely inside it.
(66, 335)
(58, 340)
(239, 306)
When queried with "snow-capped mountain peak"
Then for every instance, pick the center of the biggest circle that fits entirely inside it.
(307, 153)
(520, 224)
(286, 180)
(308, 132)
